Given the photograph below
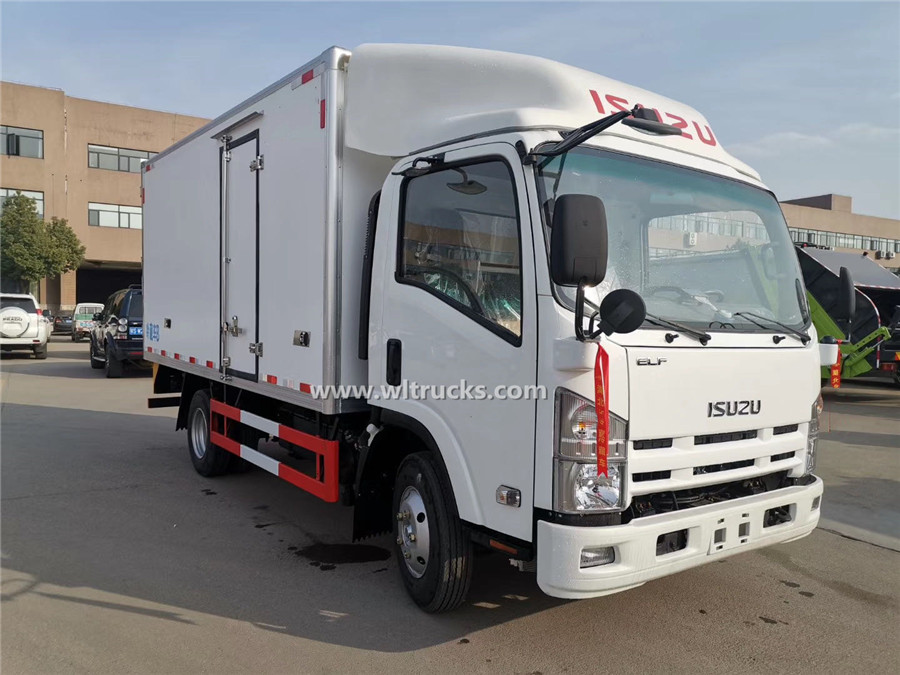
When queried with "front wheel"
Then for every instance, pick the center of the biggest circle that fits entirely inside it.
(433, 552)
(96, 362)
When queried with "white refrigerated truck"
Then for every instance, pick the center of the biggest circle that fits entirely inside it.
(488, 300)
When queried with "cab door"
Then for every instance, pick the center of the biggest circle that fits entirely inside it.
(454, 323)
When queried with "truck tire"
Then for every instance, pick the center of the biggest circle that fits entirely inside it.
(40, 353)
(209, 460)
(96, 362)
(112, 364)
(433, 552)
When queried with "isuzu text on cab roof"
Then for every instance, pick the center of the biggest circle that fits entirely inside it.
(488, 300)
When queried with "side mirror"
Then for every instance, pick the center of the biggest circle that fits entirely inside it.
(846, 307)
(578, 241)
(622, 311)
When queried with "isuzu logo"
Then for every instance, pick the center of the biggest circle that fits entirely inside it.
(732, 408)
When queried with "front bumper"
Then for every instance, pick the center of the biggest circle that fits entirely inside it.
(636, 561)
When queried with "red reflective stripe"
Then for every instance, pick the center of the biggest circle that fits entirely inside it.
(177, 356)
(210, 364)
(305, 388)
(601, 404)
(163, 352)
(193, 360)
(322, 114)
(225, 443)
(272, 379)
(150, 349)
(225, 410)
(306, 77)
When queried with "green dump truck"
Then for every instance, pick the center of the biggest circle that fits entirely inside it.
(870, 342)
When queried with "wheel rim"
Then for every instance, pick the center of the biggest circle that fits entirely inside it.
(199, 433)
(413, 534)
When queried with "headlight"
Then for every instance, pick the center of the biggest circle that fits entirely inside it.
(812, 436)
(577, 487)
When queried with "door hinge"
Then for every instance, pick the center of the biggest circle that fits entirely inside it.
(227, 155)
(226, 361)
(257, 164)
(256, 348)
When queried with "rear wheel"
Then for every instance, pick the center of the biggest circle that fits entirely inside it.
(112, 364)
(433, 551)
(40, 352)
(208, 459)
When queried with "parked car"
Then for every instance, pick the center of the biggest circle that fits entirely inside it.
(62, 324)
(47, 318)
(118, 333)
(21, 325)
(83, 319)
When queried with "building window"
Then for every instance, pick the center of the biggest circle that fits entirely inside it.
(116, 159)
(38, 198)
(22, 142)
(115, 215)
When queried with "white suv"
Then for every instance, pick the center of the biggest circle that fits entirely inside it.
(21, 325)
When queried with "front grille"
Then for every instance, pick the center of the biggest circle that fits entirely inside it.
(650, 475)
(782, 455)
(653, 443)
(709, 439)
(786, 429)
(728, 466)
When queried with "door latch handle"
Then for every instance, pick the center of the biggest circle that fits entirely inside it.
(394, 362)
(232, 327)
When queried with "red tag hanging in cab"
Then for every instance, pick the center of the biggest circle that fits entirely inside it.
(836, 370)
(601, 389)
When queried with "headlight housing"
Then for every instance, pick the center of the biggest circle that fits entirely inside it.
(812, 436)
(577, 487)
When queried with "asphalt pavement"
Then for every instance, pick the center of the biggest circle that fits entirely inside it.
(117, 557)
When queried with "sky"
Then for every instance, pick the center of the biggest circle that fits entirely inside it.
(806, 93)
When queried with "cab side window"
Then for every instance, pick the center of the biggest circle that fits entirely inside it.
(460, 240)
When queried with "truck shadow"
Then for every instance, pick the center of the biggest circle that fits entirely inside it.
(135, 520)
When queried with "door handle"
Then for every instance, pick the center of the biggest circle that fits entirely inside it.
(394, 362)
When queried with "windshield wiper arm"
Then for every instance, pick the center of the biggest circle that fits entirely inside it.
(699, 335)
(803, 337)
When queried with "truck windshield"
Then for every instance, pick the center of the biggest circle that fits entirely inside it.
(697, 247)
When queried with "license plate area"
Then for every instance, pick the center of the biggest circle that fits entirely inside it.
(730, 532)
(136, 330)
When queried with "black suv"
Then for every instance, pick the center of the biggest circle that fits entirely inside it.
(118, 332)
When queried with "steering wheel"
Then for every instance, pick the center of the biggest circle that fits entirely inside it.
(680, 292)
(474, 302)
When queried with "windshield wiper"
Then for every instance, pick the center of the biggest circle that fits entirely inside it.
(699, 335)
(803, 337)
